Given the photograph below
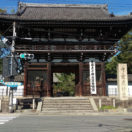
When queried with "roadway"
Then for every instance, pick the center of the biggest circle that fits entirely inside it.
(63, 123)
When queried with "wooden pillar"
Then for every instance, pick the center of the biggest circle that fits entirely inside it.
(103, 79)
(25, 79)
(77, 83)
(80, 79)
(49, 79)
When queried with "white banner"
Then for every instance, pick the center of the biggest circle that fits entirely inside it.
(92, 69)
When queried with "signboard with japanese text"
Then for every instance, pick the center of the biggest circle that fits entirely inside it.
(92, 69)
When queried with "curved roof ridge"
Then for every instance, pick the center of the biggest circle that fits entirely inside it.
(103, 6)
(66, 12)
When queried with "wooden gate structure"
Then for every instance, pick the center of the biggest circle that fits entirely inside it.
(63, 38)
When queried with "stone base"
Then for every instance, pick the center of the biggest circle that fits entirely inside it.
(5, 105)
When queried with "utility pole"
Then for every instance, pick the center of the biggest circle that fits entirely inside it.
(13, 48)
(11, 68)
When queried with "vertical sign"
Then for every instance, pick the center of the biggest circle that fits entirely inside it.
(92, 68)
(122, 81)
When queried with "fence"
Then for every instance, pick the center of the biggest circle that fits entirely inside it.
(112, 90)
(18, 91)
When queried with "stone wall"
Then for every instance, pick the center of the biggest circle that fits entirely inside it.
(104, 101)
(108, 101)
(124, 103)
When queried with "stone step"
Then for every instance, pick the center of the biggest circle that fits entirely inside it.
(54, 109)
(79, 108)
(66, 108)
(68, 101)
(68, 111)
(65, 98)
(66, 105)
(69, 107)
(76, 103)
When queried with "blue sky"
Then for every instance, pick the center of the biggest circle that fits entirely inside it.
(118, 7)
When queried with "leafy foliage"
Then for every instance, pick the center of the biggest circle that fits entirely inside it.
(107, 107)
(0, 66)
(13, 11)
(125, 56)
(3, 11)
(111, 66)
(65, 83)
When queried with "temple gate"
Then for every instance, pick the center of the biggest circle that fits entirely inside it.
(63, 38)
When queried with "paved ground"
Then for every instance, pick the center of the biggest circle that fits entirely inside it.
(6, 118)
(37, 123)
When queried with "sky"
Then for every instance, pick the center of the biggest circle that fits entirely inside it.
(118, 7)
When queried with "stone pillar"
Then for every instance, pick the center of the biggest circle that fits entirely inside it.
(122, 80)
(11, 101)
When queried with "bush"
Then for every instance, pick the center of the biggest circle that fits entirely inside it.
(107, 107)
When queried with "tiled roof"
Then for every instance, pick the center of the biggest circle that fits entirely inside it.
(63, 12)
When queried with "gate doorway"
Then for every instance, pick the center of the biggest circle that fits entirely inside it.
(39, 79)
(63, 84)
(65, 77)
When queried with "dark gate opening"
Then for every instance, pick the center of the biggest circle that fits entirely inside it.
(39, 79)
(63, 84)
(64, 80)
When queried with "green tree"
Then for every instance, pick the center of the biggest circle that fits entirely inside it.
(111, 66)
(13, 11)
(0, 66)
(125, 55)
(66, 83)
(3, 11)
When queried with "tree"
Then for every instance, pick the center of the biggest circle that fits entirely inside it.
(111, 66)
(66, 83)
(3, 11)
(125, 55)
(0, 66)
(13, 11)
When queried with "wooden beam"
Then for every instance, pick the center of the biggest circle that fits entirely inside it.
(67, 51)
(31, 68)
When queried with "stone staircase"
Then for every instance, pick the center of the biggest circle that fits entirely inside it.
(66, 105)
